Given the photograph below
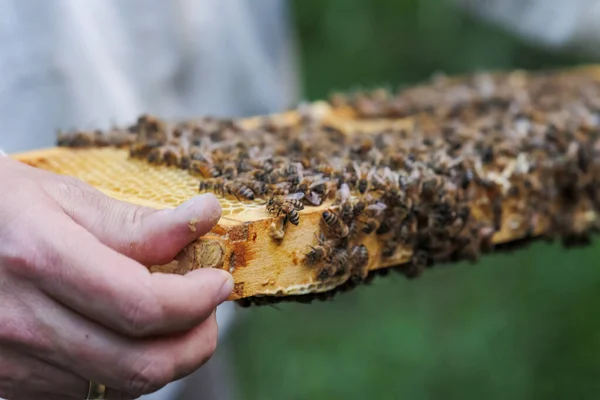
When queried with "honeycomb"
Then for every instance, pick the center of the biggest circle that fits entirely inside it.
(113, 172)
(406, 181)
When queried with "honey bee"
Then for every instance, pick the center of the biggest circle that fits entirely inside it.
(259, 188)
(200, 168)
(346, 213)
(287, 205)
(337, 264)
(373, 222)
(389, 248)
(339, 228)
(362, 146)
(359, 258)
(363, 178)
(155, 155)
(167, 155)
(77, 139)
(319, 252)
(223, 187)
(229, 171)
(152, 128)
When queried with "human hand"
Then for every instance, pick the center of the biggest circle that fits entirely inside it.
(76, 300)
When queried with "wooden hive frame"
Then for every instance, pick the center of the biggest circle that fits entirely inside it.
(241, 242)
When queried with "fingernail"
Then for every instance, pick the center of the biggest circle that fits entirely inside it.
(226, 288)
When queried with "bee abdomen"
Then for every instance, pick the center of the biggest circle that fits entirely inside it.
(294, 217)
(362, 186)
(246, 192)
(329, 218)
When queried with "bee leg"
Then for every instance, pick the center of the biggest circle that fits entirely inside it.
(285, 219)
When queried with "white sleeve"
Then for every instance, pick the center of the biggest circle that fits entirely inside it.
(556, 24)
(240, 56)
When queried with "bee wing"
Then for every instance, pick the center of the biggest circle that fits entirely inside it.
(371, 173)
(283, 185)
(317, 183)
(300, 170)
(356, 169)
(313, 198)
(344, 192)
(253, 152)
(337, 163)
(379, 207)
(295, 196)
(378, 179)
(376, 155)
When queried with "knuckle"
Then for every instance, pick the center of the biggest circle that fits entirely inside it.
(15, 329)
(68, 187)
(33, 262)
(153, 373)
(142, 316)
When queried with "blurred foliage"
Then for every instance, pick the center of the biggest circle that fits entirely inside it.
(518, 325)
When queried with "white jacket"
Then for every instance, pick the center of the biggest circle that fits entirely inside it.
(91, 63)
(570, 25)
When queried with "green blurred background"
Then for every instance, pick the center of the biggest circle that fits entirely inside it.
(519, 325)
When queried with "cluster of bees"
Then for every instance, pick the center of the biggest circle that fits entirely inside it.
(528, 140)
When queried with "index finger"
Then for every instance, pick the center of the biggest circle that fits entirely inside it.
(103, 285)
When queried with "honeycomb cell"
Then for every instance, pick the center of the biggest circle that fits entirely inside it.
(112, 170)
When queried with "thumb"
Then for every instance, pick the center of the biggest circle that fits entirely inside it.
(147, 235)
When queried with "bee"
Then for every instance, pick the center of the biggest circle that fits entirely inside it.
(287, 205)
(152, 128)
(340, 229)
(339, 261)
(431, 189)
(363, 179)
(389, 248)
(229, 171)
(466, 179)
(374, 219)
(185, 162)
(77, 139)
(200, 168)
(319, 252)
(346, 214)
(359, 258)
(205, 185)
(336, 265)
(155, 156)
(245, 192)
(224, 188)
(259, 188)
(358, 208)
(363, 146)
